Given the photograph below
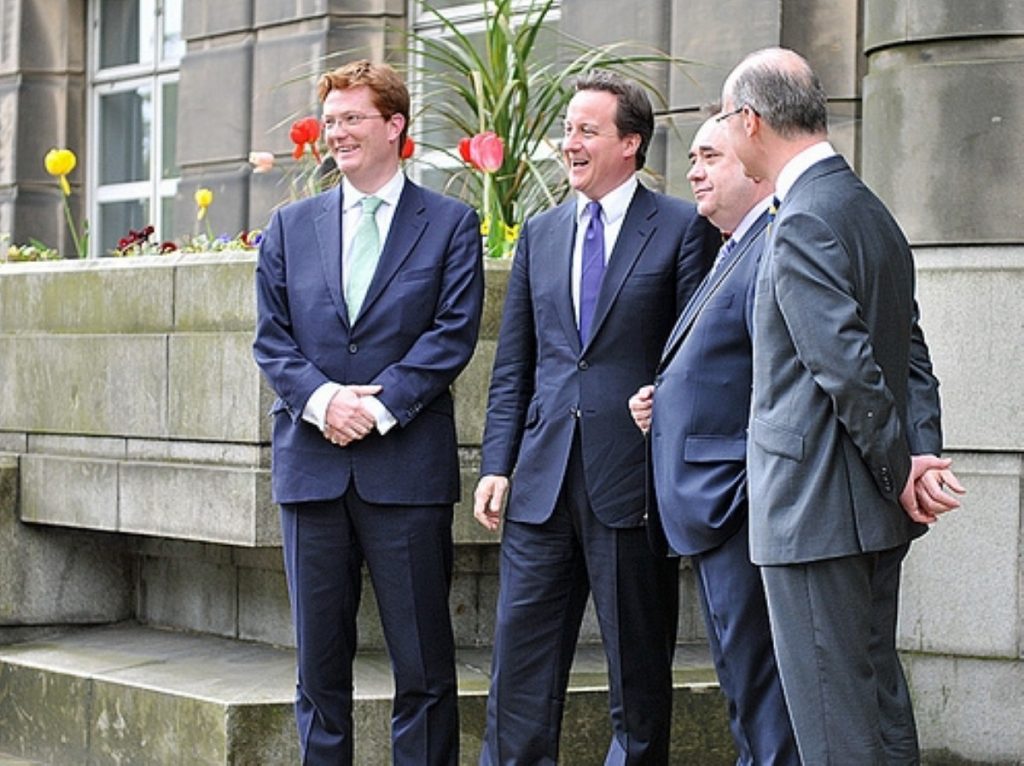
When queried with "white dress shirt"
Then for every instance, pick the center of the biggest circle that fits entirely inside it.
(315, 411)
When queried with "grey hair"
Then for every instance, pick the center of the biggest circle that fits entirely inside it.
(790, 99)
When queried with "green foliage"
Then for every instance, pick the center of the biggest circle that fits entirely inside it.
(507, 86)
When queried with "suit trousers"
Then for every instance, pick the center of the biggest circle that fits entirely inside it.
(408, 553)
(834, 626)
(546, 573)
(736, 616)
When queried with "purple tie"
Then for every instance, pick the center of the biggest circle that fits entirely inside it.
(593, 268)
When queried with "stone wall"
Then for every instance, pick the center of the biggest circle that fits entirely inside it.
(131, 406)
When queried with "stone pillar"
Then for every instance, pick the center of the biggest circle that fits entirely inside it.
(942, 145)
(42, 106)
(704, 33)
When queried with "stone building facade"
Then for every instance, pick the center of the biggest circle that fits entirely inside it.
(926, 100)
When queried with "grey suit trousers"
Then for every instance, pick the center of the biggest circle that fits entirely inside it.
(845, 610)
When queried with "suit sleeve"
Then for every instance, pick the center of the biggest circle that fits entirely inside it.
(924, 423)
(818, 306)
(696, 254)
(292, 376)
(512, 379)
(437, 357)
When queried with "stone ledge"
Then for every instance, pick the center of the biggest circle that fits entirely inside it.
(216, 492)
(127, 693)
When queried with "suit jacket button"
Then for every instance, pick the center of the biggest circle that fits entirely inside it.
(583, 364)
(352, 348)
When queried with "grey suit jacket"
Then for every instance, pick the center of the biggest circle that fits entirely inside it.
(843, 392)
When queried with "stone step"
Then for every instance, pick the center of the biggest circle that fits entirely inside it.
(128, 694)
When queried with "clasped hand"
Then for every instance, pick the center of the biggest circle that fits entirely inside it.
(927, 493)
(347, 418)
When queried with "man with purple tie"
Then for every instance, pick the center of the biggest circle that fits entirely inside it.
(595, 288)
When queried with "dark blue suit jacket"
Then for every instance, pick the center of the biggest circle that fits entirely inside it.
(544, 384)
(415, 332)
(698, 435)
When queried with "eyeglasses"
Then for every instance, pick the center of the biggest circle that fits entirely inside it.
(348, 119)
(734, 112)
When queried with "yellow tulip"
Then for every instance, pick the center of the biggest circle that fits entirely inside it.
(60, 162)
(511, 233)
(485, 226)
(203, 197)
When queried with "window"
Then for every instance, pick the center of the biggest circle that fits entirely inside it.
(133, 170)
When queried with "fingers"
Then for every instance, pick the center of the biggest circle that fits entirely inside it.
(641, 404)
(911, 506)
(488, 501)
(347, 419)
(932, 495)
(366, 390)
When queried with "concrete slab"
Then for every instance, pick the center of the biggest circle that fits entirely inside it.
(123, 690)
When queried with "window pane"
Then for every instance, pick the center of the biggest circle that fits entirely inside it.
(116, 218)
(125, 137)
(173, 47)
(167, 230)
(126, 32)
(169, 134)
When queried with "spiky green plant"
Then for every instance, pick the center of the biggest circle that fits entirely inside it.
(504, 84)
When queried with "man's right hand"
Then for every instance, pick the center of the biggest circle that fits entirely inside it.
(641, 404)
(489, 499)
(347, 419)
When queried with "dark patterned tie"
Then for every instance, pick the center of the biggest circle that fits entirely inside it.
(723, 253)
(593, 268)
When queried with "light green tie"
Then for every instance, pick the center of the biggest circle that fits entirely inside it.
(362, 261)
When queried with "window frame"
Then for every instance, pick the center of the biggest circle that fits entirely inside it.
(157, 71)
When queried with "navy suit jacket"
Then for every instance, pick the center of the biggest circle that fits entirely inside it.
(415, 332)
(843, 390)
(698, 435)
(545, 385)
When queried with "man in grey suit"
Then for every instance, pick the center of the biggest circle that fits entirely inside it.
(844, 427)
(696, 415)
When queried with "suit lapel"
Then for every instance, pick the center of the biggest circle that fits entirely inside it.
(327, 224)
(407, 226)
(708, 288)
(551, 261)
(636, 230)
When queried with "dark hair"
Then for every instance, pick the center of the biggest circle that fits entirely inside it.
(786, 93)
(390, 96)
(634, 112)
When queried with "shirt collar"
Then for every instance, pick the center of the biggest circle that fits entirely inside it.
(388, 193)
(614, 203)
(798, 165)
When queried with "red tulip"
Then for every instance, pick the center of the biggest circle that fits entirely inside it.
(487, 151)
(465, 154)
(305, 131)
(407, 148)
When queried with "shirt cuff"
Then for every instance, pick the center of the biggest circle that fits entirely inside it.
(381, 414)
(315, 411)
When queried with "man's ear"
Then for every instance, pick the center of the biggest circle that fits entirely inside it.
(632, 145)
(395, 126)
